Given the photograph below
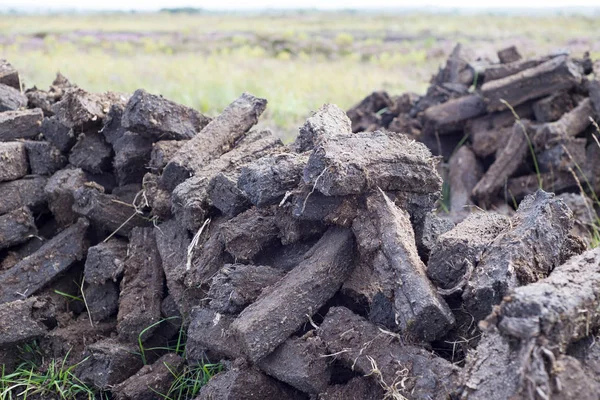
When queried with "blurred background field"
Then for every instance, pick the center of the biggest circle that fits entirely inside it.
(297, 60)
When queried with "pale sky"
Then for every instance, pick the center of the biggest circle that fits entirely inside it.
(279, 4)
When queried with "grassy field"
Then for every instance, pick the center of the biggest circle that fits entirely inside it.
(298, 61)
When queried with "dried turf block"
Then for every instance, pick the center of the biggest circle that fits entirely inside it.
(465, 171)
(301, 363)
(106, 211)
(13, 161)
(102, 300)
(506, 163)
(91, 153)
(363, 115)
(58, 134)
(559, 73)
(250, 232)
(269, 321)
(60, 191)
(535, 244)
(353, 164)
(457, 251)
(16, 227)
(81, 110)
(191, 199)
(132, 154)
(54, 257)
(23, 124)
(160, 119)
(19, 323)
(44, 158)
(385, 237)
(108, 363)
(551, 108)
(508, 55)
(105, 261)
(238, 285)
(162, 152)
(522, 350)
(365, 348)
(9, 75)
(209, 333)
(28, 192)
(562, 308)
(213, 140)
(499, 71)
(223, 193)
(568, 126)
(151, 379)
(112, 129)
(11, 99)
(452, 115)
(141, 287)
(329, 120)
(566, 156)
(172, 241)
(266, 180)
(243, 382)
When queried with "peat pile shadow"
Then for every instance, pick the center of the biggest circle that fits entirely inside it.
(315, 270)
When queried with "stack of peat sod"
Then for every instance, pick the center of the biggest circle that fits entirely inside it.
(316, 270)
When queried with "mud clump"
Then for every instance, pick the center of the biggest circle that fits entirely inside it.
(141, 239)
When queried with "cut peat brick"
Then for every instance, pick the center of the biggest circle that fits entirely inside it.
(172, 241)
(329, 120)
(25, 124)
(551, 108)
(58, 134)
(562, 308)
(223, 193)
(555, 181)
(499, 71)
(28, 192)
(60, 191)
(13, 161)
(141, 287)
(246, 383)
(536, 243)
(506, 164)
(452, 115)
(386, 238)
(106, 211)
(301, 363)
(509, 55)
(108, 363)
(364, 114)
(105, 261)
(269, 321)
(9, 75)
(363, 347)
(559, 73)
(465, 171)
(250, 232)
(16, 227)
(160, 119)
(568, 126)
(18, 324)
(132, 154)
(54, 257)
(209, 333)
(461, 248)
(266, 180)
(81, 110)
(358, 388)
(214, 139)
(11, 99)
(162, 152)
(44, 158)
(191, 201)
(91, 153)
(102, 301)
(151, 379)
(238, 285)
(353, 164)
